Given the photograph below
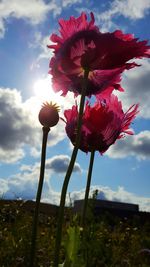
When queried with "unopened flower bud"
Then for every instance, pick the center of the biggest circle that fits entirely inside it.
(48, 115)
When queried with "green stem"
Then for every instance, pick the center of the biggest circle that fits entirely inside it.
(38, 196)
(68, 173)
(85, 204)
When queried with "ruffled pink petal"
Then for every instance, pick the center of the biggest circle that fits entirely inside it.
(72, 26)
(126, 37)
(106, 79)
(128, 118)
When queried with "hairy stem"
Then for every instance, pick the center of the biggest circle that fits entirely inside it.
(85, 204)
(38, 197)
(68, 174)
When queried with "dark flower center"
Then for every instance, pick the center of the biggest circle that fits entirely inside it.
(89, 54)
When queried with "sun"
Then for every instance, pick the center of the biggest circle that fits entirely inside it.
(44, 92)
(41, 89)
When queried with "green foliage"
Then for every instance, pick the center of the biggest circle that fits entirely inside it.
(104, 242)
(72, 248)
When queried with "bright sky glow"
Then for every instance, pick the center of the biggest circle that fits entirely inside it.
(44, 92)
(25, 26)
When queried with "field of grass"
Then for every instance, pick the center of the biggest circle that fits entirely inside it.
(108, 241)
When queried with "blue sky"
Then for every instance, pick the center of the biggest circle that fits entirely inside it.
(122, 173)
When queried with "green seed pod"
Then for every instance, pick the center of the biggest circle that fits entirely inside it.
(48, 115)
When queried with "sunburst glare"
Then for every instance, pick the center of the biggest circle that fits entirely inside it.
(44, 92)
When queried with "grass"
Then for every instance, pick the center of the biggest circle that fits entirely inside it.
(108, 241)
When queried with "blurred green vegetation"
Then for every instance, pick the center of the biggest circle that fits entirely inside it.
(106, 242)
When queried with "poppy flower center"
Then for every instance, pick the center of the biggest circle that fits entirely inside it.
(79, 51)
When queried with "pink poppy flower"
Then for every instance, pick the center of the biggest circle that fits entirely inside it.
(81, 46)
(102, 124)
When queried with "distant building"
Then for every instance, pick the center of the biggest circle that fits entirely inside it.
(106, 204)
(105, 207)
(98, 207)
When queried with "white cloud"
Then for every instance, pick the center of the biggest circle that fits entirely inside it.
(36, 41)
(20, 126)
(17, 126)
(131, 9)
(24, 186)
(11, 155)
(60, 163)
(45, 53)
(136, 145)
(136, 84)
(2, 28)
(4, 188)
(35, 152)
(33, 12)
(66, 3)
